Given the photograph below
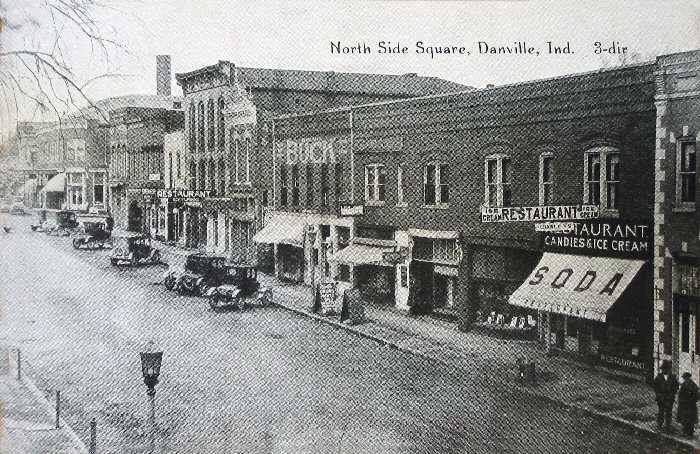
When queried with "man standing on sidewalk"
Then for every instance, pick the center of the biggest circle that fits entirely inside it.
(688, 405)
(665, 387)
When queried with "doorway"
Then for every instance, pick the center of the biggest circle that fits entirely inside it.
(688, 335)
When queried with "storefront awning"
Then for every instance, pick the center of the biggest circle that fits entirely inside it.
(361, 254)
(283, 230)
(435, 234)
(56, 184)
(574, 285)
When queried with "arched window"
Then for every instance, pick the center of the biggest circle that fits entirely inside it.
(210, 125)
(200, 127)
(220, 130)
(192, 136)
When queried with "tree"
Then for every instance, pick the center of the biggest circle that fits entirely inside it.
(40, 42)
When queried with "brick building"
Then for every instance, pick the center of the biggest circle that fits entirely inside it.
(225, 112)
(677, 254)
(428, 177)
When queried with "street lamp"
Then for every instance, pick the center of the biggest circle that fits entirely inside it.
(150, 367)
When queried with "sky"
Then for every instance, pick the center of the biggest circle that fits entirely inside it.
(298, 35)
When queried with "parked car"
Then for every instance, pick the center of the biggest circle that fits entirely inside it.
(132, 248)
(198, 273)
(242, 291)
(66, 222)
(95, 235)
(5, 205)
(18, 208)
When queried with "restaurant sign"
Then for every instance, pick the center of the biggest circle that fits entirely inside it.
(184, 194)
(539, 213)
(602, 237)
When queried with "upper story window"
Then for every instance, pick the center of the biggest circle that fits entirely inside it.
(284, 186)
(210, 124)
(497, 181)
(375, 183)
(546, 180)
(295, 184)
(325, 189)
(436, 184)
(309, 186)
(192, 132)
(200, 127)
(686, 173)
(602, 178)
(220, 127)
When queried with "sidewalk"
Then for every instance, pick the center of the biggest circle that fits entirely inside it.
(618, 399)
(28, 421)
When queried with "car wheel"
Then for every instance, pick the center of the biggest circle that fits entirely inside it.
(91, 244)
(76, 243)
(169, 283)
(134, 261)
(155, 258)
(114, 262)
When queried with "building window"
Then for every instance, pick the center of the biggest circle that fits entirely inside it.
(400, 186)
(686, 173)
(546, 180)
(99, 188)
(284, 186)
(247, 161)
(324, 185)
(309, 186)
(264, 198)
(236, 159)
(200, 127)
(192, 134)
(435, 250)
(220, 128)
(343, 234)
(221, 183)
(375, 183)
(177, 164)
(602, 178)
(343, 273)
(497, 181)
(210, 125)
(295, 185)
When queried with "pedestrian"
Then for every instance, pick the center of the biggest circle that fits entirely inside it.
(688, 405)
(665, 387)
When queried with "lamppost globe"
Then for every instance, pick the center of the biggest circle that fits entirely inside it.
(150, 366)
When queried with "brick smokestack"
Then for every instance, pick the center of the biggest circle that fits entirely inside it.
(163, 75)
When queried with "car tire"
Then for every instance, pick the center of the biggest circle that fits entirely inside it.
(91, 244)
(133, 261)
(76, 243)
(169, 283)
(114, 262)
(155, 257)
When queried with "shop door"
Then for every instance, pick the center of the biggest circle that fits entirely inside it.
(688, 360)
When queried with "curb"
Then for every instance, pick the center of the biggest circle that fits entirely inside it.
(79, 445)
(614, 419)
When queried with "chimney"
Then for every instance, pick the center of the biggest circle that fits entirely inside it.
(163, 75)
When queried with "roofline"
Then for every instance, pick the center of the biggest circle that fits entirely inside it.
(470, 91)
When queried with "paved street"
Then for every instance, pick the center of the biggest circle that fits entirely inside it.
(263, 380)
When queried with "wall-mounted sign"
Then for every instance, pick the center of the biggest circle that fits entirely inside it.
(563, 227)
(396, 257)
(604, 237)
(352, 210)
(183, 193)
(154, 177)
(539, 213)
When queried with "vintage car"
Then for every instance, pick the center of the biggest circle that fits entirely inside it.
(198, 273)
(94, 235)
(243, 290)
(132, 248)
(66, 222)
(18, 208)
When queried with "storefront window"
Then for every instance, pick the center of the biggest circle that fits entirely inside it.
(343, 273)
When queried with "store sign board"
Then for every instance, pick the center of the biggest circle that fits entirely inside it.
(602, 237)
(539, 213)
(183, 193)
(352, 210)
(564, 227)
(396, 257)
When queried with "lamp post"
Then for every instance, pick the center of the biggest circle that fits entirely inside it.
(150, 367)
